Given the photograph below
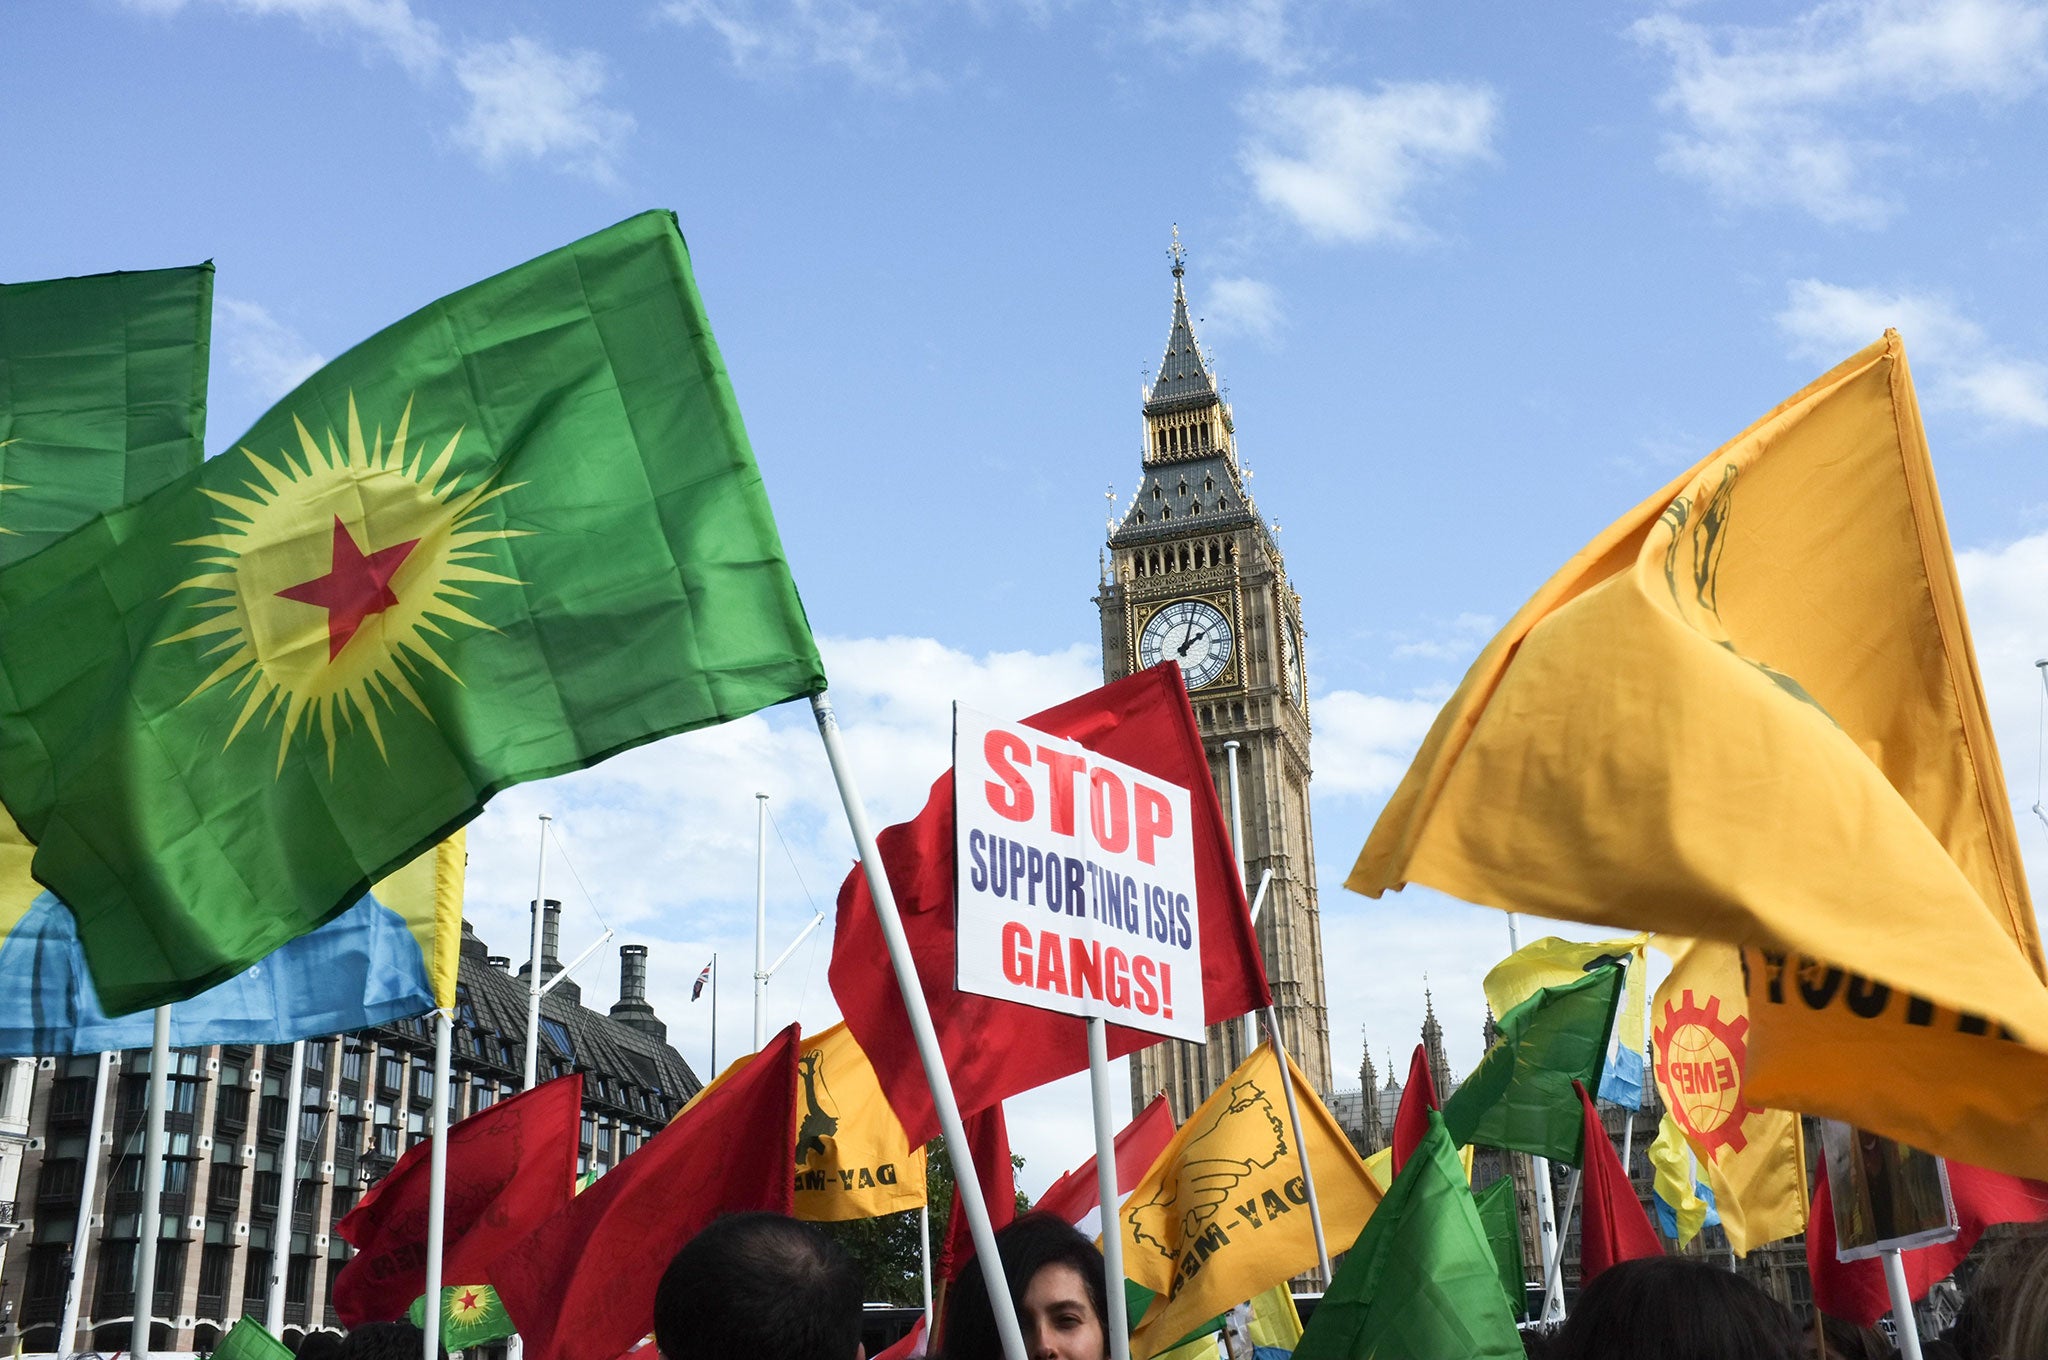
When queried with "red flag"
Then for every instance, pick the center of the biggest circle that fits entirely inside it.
(1074, 1196)
(1411, 1118)
(997, 1048)
(1855, 1291)
(1612, 1227)
(510, 1168)
(912, 1344)
(581, 1287)
(988, 1138)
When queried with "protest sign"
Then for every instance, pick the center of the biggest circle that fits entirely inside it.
(1075, 880)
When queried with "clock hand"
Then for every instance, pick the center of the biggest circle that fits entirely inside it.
(1193, 638)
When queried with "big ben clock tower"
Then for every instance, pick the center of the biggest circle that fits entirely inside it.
(1194, 574)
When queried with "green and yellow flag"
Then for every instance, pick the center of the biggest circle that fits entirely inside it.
(1520, 1096)
(1223, 1213)
(1753, 1158)
(102, 396)
(518, 532)
(1750, 712)
(471, 1315)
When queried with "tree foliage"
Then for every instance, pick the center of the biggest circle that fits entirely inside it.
(887, 1250)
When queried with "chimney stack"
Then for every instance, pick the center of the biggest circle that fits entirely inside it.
(632, 1008)
(550, 944)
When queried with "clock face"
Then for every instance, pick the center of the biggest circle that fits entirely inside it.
(1192, 632)
(1291, 662)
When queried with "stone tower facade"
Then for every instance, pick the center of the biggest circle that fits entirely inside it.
(1193, 573)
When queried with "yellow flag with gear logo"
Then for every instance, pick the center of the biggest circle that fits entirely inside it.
(1222, 1215)
(1754, 1159)
(1750, 711)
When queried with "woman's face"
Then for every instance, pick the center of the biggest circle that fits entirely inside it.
(1059, 1318)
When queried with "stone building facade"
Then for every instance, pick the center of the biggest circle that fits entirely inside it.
(367, 1097)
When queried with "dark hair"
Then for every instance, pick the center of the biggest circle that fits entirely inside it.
(325, 1346)
(387, 1341)
(759, 1285)
(1027, 1246)
(1674, 1308)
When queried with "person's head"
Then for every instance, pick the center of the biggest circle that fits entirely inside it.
(1674, 1308)
(322, 1346)
(385, 1341)
(2022, 1324)
(762, 1286)
(1056, 1281)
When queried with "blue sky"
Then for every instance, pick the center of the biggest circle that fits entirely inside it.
(1478, 280)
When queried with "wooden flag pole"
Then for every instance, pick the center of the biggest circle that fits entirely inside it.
(965, 1183)
(74, 1284)
(152, 1183)
(1119, 1321)
(281, 1241)
(1308, 1175)
(437, 1184)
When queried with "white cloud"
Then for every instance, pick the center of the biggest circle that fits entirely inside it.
(387, 25)
(1261, 32)
(776, 36)
(526, 100)
(2009, 626)
(269, 357)
(1784, 116)
(1346, 165)
(529, 102)
(1238, 306)
(1365, 741)
(1961, 368)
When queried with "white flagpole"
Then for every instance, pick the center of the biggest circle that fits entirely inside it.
(1251, 1019)
(965, 1183)
(437, 1183)
(1546, 1204)
(1105, 1185)
(1308, 1175)
(281, 1241)
(713, 1073)
(760, 920)
(152, 1182)
(74, 1286)
(1904, 1326)
(540, 911)
(924, 1235)
(1553, 1273)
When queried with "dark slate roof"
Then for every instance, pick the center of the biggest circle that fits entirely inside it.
(1183, 382)
(1197, 494)
(638, 1070)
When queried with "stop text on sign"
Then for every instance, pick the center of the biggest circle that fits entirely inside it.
(1075, 880)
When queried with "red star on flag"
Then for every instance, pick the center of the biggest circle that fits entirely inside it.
(356, 586)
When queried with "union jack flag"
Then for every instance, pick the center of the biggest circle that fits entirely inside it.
(697, 988)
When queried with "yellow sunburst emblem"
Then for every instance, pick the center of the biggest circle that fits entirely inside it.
(328, 583)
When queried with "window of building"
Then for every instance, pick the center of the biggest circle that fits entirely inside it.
(309, 1125)
(465, 1009)
(214, 1260)
(387, 1141)
(604, 1139)
(589, 1130)
(557, 1035)
(316, 1057)
(351, 1063)
(423, 1083)
(390, 1073)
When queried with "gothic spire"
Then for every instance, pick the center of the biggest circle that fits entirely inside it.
(1183, 381)
(1373, 1127)
(1433, 1045)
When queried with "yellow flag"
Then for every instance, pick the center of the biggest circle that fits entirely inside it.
(1671, 1156)
(852, 1159)
(1223, 1214)
(1552, 962)
(1275, 1320)
(1754, 1158)
(1749, 711)
(1380, 1167)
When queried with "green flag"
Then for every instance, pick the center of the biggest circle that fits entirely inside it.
(1420, 1283)
(471, 1315)
(516, 533)
(247, 1340)
(1520, 1096)
(102, 396)
(1497, 1214)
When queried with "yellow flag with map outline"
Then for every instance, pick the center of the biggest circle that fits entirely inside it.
(1750, 711)
(1222, 1215)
